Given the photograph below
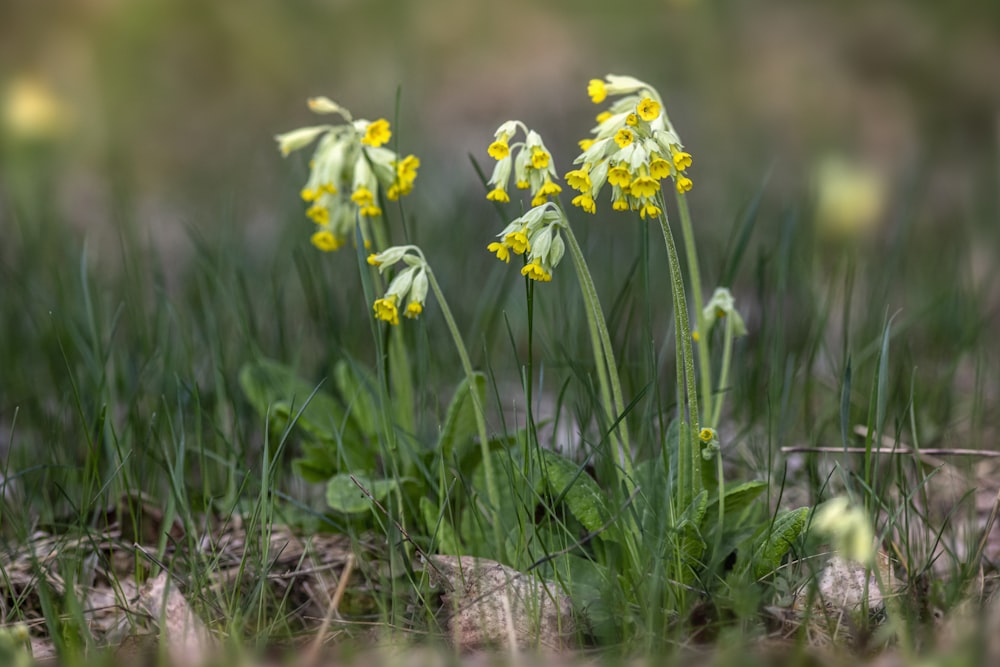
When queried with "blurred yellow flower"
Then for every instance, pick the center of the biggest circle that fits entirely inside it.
(32, 110)
(850, 198)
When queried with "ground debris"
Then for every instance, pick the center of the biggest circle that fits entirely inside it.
(487, 604)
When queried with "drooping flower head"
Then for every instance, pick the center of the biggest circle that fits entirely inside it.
(348, 169)
(528, 160)
(634, 147)
(408, 287)
(536, 236)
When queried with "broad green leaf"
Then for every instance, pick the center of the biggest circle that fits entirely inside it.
(568, 481)
(318, 462)
(768, 548)
(515, 492)
(459, 428)
(343, 495)
(267, 382)
(356, 386)
(691, 545)
(439, 528)
(737, 498)
(274, 389)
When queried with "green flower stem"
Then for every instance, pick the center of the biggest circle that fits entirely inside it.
(689, 459)
(727, 357)
(399, 358)
(607, 369)
(704, 354)
(484, 442)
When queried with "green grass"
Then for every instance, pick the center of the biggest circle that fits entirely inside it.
(116, 382)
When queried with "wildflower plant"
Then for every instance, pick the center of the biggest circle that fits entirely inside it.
(651, 518)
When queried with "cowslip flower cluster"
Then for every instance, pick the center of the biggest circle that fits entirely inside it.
(348, 166)
(634, 147)
(409, 285)
(848, 527)
(719, 306)
(535, 235)
(529, 160)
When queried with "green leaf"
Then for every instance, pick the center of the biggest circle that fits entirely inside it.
(439, 528)
(768, 548)
(737, 498)
(318, 462)
(266, 382)
(274, 389)
(457, 434)
(569, 482)
(343, 495)
(357, 387)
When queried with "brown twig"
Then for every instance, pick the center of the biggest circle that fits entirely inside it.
(399, 527)
(897, 451)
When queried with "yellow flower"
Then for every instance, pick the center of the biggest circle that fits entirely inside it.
(631, 120)
(362, 196)
(620, 176)
(706, 434)
(682, 160)
(377, 133)
(319, 214)
(499, 149)
(413, 309)
(659, 168)
(502, 251)
(325, 240)
(644, 186)
(518, 242)
(648, 109)
(373, 259)
(385, 309)
(539, 158)
(651, 210)
(548, 188)
(603, 116)
(578, 179)
(624, 137)
(406, 173)
(584, 144)
(849, 526)
(308, 194)
(523, 185)
(498, 194)
(370, 211)
(535, 271)
(684, 184)
(586, 202)
(597, 91)
(619, 205)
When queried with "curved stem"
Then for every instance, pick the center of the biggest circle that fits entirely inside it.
(484, 443)
(704, 353)
(692, 451)
(727, 357)
(606, 366)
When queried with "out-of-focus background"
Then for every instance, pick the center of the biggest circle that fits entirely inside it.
(164, 110)
(863, 137)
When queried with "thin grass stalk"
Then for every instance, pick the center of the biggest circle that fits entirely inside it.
(484, 441)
